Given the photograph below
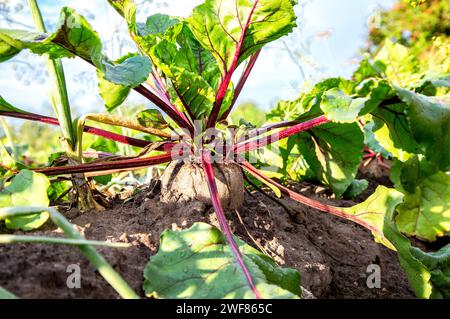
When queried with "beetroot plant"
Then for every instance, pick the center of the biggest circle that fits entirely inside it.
(186, 68)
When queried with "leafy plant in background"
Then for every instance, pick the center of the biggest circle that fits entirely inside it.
(408, 124)
(185, 67)
(412, 23)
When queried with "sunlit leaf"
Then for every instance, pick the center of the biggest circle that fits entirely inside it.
(227, 27)
(340, 107)
(26, 189)
(429, 119)
(428, 273)
(198, 263)
(425, 211)
(373, 211)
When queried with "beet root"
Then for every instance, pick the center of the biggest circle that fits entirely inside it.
(184, 182)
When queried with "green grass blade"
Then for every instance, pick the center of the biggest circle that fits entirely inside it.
(5, 294)
(60, 98)
(97, 260)
(10, 239)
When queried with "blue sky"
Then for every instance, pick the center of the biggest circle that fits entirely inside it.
(327, 43)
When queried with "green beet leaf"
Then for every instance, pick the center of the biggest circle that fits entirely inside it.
(425, 211)
(75, 34)
(373, 211)
(75, 37)
(152, 118)
(104, 145)
(227, 27)
(198, 263)
(340, 107)
(130, 72)
(330, 153)
(191, 92)
(333, 152)
(371, 142)
(26, 189)
(193, 72)
(438, 264)
(12, 42)
(356, 188)
(157, 24)
(179, 48)
(392, 131)
(429, 119)
(112, 94)
(428, 273)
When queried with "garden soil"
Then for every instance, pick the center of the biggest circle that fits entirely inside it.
(331, 254)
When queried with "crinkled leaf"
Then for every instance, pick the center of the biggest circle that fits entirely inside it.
(330, 153)
(192, 70)
(190, 91)
(76, 35)
(130, 73)
(438, 264)
(429, 120)
(198, 263)
(241, 27)
(376, 91)
(152, 118)
(367, 70)
(179, 48)
(373, 211)
(26, 189)
(120, 77)
(157, 24)
(425, 211)
(150, 33)
(427, 273)
(292, 110)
